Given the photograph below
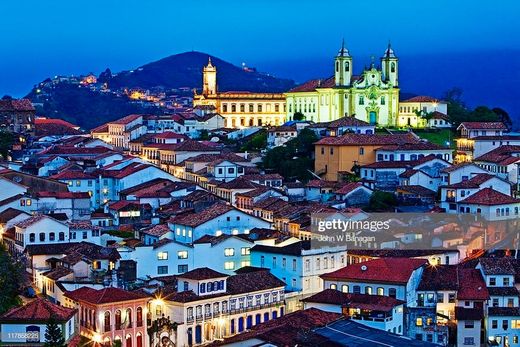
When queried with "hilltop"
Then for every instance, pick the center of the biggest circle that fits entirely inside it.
(91, 105)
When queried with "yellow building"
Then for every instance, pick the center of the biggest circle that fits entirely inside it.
(240, 109)
(372, 97)
(336, 156)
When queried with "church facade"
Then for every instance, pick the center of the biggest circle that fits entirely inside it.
(240, 109)
(372, 97)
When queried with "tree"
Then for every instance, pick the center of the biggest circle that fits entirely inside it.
(53, 334)
(483, 114)
(298, 116)
(12, 272)
(294, 159)
(382, 201)
(203, 135)
(504, 117)
(6, 143)
(457, 110)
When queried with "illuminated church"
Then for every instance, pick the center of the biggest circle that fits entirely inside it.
(372, 96)
(240, 109)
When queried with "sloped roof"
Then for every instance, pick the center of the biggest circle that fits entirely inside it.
(384, 270)
(39, 310)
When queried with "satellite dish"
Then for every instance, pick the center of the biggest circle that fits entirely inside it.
(215, 139)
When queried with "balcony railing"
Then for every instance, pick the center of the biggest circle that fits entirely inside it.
(198, 318)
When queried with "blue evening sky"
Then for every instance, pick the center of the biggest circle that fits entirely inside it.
(442, 43)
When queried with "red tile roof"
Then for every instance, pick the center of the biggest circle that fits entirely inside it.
(473, 182)
(127, 119)
(72, 175)
(322, 184)
(32, 220)
(384, 270)
(361, 301)
(489, 197)
(202, 273)
(39, 310)
(400, 164)
(503, 155)
(41, 121)
(286, 330)
(103, 296)
(483, 125)
(196, 219)
(417, 190)
(311, 85)
(157, 230)
(421, 146)
(472, 285)
(170, 135)
(15, 105)
(368, 140)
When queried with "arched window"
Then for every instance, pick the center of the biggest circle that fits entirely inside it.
(203, 287)
(32, 237)
(128, 340)
(107, 342)
(52, 236)
(139, 316)
(242, 108)
(128, 318)
(259, 107)
(344, 288)
(233, 108)
(380, 291)
(61, 236)
(368, 290)
(357, 289)
(333, 286)
(337, 66)
(107, 322)
(347, 66)
(42, 237)
(382, 100)
(392, 67)
(139, 340)
(118, 319)
(224, 108)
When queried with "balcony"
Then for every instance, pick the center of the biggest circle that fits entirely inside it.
(372, 319)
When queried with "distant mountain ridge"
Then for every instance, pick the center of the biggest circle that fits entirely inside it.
(90, 108)
(185, 70)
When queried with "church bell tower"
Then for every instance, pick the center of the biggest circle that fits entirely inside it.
(209, 79)
(389, 64)
(343, 67)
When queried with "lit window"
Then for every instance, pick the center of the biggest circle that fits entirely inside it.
(162, 255)
(419, 322)
(229, 265)
(182, 254)
(229, 252)
(245, 251)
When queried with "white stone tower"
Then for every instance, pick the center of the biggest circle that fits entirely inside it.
(343, 67)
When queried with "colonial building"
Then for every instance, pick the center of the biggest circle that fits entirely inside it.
(372, 97)
(240, 109)
(17, 115)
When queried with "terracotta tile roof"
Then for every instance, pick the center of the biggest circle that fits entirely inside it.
(193, 146)
(439, 277)
(483, 125)
(33, 220)
(311, 85)
(39, 310)
(15, 105)
(455, 167)
(157, 230)
(368, 140)
(286, 330)
(239, 183)
(57, 273)
(497, 138)
(349, 187)
(49, 248)
(440, 115)
(128, 204)
(10, 213)
(103, 296)
(503, 155)
(489, 197)
(71, 150)
(422, 98)
(281, 128)
(170, 135)
(473, 182)
(103, 128)
(341, 122)
(497, 266)
(202, 273)
(72, 175)
(418, 190)
(126, 120)
(384, 270)
(262, 177)
(248, 282)
(361, 301)
(196, 219)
